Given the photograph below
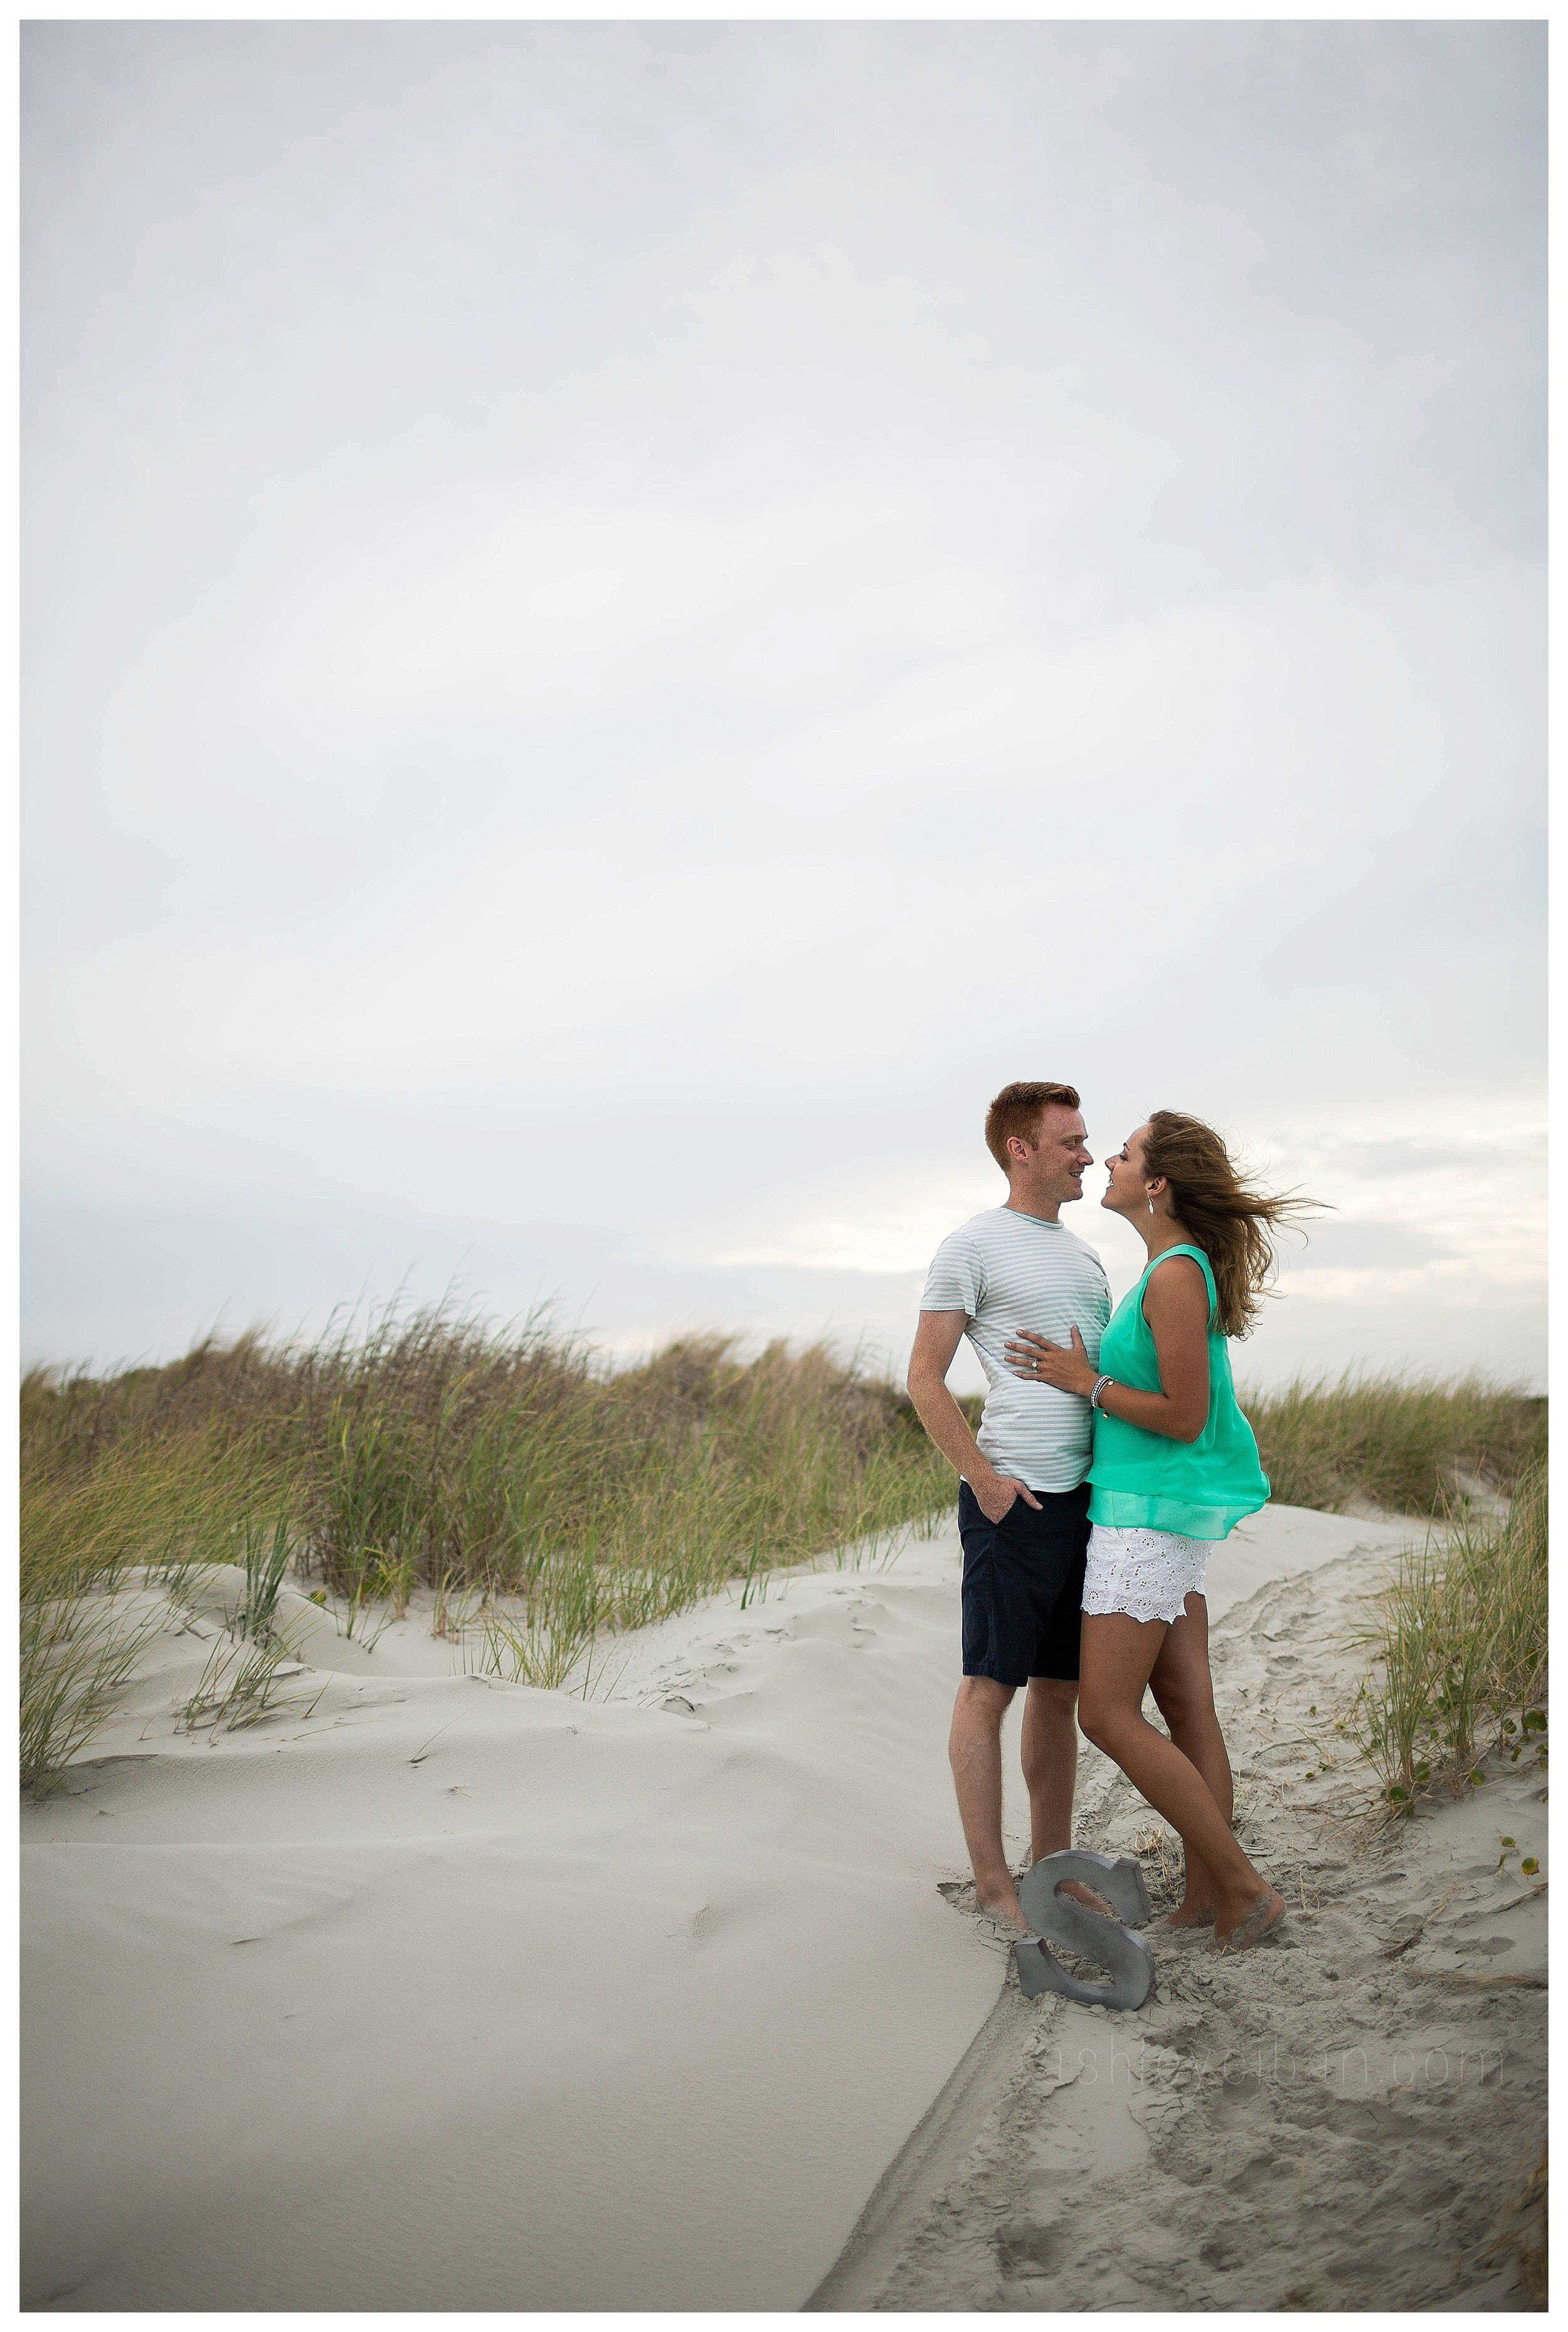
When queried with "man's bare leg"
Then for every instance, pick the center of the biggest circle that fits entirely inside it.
(1050, 1754)
(975, 1754)
(1050, 1757)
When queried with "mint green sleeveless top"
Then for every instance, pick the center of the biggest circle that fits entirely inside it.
(1199, 1489)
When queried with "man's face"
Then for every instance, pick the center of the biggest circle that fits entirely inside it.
(1054, 1166)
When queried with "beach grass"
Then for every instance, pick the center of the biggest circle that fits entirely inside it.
(1458, 1648)
(77, 1654)
(244, 1680)
(550, 1499)
(1399, 1442)
(99, 1519)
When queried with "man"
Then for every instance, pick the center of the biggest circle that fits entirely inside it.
(1023, 1496)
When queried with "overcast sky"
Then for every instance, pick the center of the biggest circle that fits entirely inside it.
(624, 621)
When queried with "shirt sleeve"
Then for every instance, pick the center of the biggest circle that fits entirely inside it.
(956, 1280)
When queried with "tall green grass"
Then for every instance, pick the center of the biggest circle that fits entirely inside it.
(1392, 1441)
(1457, 1646)
(1458, 1642)
(548, 1499)
(431, 1451)
(91, 1516)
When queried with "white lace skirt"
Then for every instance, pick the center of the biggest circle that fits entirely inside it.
(1147, 1573)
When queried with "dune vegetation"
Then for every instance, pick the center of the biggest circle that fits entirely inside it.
(1456, 1642)
(544, 1496)
(1457, 1646)
(548, 1499)
(1400, 1443)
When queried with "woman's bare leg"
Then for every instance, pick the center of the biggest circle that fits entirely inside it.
(1183, 1692)
(1119, 1654)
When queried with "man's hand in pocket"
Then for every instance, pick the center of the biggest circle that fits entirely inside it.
(995, 1495)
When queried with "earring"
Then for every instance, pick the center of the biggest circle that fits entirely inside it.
(1151, 1206)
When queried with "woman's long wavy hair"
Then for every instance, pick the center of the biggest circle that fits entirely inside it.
(1230, 1222)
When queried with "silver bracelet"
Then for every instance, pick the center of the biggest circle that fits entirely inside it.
(1100, 1385)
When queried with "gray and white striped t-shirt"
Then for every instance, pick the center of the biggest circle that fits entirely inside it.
(1005, 1270)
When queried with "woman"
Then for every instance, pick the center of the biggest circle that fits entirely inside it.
(1175, 1468)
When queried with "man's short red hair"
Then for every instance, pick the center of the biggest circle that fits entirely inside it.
(1017, 1109)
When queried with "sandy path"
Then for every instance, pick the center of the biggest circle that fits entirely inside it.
(460, 1995)
(1337, 2121)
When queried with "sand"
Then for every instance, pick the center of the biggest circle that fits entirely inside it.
(1339, 2120)
(454, 1994)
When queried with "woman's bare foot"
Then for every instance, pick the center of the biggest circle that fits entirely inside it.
(1184, 1919)
(1251, 1925)
(1194, 1914)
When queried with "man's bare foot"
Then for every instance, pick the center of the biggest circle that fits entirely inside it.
(1250, 1926)
(1005, 1917)
(1086, 1896)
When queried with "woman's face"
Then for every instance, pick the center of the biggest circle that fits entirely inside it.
(1124, 1193)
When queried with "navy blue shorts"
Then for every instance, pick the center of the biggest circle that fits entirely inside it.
(1023, 1585)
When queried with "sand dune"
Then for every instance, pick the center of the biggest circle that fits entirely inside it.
(1340, 2120)
(457, 1994)
(596, 2005)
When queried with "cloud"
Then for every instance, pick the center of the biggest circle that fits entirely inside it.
(113, 1281)
(626, 621)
